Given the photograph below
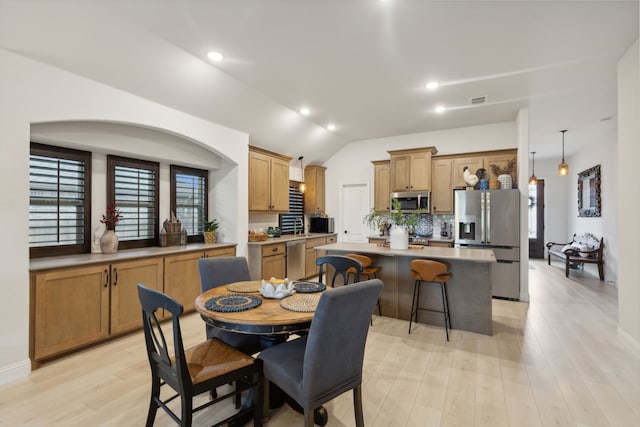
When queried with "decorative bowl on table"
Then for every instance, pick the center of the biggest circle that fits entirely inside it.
(276, 288)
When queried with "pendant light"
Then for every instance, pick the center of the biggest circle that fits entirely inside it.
(302, 186)
(533, 180)
(563, 167)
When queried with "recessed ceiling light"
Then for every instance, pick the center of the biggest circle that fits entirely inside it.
(440, 109)
(432, 85)
(305, 111)
(331, 126)
(215, 56)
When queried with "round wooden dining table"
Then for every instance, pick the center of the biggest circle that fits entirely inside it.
(269, 318)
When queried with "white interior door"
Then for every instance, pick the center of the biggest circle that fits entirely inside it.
(355, 206)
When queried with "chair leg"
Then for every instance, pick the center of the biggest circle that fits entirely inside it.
(258, 401)
(237, 399)
(445, 308)
(566, 268)
(308, 418)
(265, 399)
(414, 303)
(357, 406)
(153, 406)
(600, 271)
(187, 410)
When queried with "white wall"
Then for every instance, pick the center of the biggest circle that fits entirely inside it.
(605, 155)
(628, 205)
(36, 93)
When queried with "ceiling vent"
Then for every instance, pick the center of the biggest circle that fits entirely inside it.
(478, 100)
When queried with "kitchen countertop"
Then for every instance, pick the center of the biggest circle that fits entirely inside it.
(459, 254)
(122, 255)
(289, 237)
(431, 239)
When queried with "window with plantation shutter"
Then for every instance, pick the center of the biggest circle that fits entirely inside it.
(132, 185)
(189, 199)
(59, 201)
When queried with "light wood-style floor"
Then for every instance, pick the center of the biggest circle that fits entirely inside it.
(553, 362)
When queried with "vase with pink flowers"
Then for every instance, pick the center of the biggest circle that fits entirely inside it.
(109, 240)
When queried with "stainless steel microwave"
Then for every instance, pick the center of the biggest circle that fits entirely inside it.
(321, 225)
(412, 201)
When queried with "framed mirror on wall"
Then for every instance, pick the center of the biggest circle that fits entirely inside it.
(589, 200)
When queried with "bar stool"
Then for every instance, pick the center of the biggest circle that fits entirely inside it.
(367, 270)
(429, 271)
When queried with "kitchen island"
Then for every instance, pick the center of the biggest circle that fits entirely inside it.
(469, 290)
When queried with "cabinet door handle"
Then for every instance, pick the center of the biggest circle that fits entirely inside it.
(106, 277)
(115, 272)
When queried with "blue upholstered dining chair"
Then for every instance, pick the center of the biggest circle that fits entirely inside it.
(221, 271)
(327, 362)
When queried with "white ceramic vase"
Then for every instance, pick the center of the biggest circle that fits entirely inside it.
(505, 181)
(399, 238)
(109, 242)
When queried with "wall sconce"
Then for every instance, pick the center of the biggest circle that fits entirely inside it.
(533, 180)
(301, 187)
(563, 167)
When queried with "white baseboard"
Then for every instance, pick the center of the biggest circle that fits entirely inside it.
(15, 371)
(629, 341)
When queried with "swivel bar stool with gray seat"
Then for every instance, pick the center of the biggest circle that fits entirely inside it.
(429, 271)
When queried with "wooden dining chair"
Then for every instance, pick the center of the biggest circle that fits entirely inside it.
(320, 366)
(342, 265)
(193, 371)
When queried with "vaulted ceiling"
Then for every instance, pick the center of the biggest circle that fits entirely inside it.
(361, 64)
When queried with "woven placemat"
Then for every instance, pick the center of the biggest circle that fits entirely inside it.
(304, 303)
(309, 287)
(244, 287)
(232, 302)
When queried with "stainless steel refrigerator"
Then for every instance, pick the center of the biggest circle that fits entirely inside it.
(490, 219)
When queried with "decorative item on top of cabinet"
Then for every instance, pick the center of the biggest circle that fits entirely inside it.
(381, 176)
(502, 164)
(268, 181)
(314, 196)
(473, 162)
(411, 169)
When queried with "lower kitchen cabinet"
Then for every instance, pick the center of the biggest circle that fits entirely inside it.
(125, 276)
(70, 309)
(182, 275)
(311, 269)
(267, 261)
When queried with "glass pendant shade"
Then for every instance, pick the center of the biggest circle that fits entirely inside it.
(533, 180)
(563, 167)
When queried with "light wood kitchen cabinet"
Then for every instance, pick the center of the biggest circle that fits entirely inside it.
(502, 159)
(125, 276)
(274, 261)
(442, 188)
(311, 255)
(182, 275)
(70, 309)
(381, 170)
(410, 170)
(473, 162)
(268, 181)
(314, 195)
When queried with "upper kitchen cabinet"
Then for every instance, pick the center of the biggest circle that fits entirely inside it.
(473, 162)
(314, 189)
(504, 160)
(381, 176)
(411, 169)
(441, 186)
(268, 181)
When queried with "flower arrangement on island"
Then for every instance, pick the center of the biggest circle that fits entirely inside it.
(112, 217)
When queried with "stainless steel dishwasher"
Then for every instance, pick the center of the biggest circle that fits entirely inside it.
(296, 259)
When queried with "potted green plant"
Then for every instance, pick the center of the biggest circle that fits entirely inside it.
(401, 223)
(210, 231)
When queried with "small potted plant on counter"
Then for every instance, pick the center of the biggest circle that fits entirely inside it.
(210, 231)
(402, 223)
